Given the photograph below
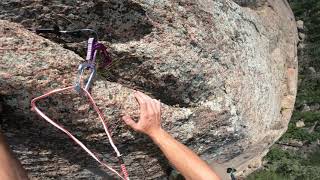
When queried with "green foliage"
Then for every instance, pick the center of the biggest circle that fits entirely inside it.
(289, 165)
(300, 134)
(308, 117)
(266, 175)
(309, 12)
(276, 154)
(313, 159)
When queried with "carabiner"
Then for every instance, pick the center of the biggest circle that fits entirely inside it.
(88, 81)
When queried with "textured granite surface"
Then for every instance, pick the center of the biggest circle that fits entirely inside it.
(226, 76)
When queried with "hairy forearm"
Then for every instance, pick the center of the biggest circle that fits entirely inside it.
(10, 167)
(184, 160)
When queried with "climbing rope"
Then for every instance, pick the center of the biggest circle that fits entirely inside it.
(91, 100)
(93, 47)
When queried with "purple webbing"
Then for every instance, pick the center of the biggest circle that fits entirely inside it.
(91, 52)
(93, 47)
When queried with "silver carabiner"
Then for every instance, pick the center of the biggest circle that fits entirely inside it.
(88, 81)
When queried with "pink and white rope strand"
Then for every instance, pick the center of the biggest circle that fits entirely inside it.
(101, 117)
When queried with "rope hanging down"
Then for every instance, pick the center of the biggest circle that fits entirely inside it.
(91, 100)
(93, 46)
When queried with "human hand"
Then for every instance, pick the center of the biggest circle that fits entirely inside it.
(150, 115)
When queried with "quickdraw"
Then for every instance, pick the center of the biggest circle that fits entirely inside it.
(93, 47)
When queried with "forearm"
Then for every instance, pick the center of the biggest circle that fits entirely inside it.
(10, 167)
(184, 160)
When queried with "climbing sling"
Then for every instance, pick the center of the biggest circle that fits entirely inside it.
(93, 47)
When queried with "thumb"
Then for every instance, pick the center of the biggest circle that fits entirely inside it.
(128, 120)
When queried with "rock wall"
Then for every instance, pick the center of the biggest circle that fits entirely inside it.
(226, 76)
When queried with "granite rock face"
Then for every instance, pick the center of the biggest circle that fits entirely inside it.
(226, 76)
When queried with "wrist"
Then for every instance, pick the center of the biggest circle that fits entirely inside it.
(157, 134)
